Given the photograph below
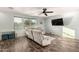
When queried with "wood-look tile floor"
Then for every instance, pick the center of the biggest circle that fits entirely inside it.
(24, 44)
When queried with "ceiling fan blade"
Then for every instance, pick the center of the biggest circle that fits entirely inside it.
(45, 14)
(49, 11)
(44, 10)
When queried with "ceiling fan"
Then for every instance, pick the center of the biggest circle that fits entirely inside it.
(45, 11)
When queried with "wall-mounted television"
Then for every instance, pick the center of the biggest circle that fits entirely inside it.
(57, 22)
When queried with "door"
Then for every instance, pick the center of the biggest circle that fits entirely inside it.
(19, 26)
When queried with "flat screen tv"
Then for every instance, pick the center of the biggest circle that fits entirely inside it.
(57, 22)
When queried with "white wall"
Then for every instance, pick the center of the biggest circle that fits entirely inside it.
(74, 24)
(52, 29)
(6, 22)
(71, 22)
(41, 20)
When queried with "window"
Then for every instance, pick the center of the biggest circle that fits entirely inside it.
(18, 23)
(67, 32)
(30, 22)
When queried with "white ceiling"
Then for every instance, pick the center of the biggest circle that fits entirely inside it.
(35, 11)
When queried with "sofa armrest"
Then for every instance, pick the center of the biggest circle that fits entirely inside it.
(47, 40)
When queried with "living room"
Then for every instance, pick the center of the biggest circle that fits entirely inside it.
(33, 29)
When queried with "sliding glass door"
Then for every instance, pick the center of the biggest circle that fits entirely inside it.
(21, 23)
(19, 26)
(32, 23)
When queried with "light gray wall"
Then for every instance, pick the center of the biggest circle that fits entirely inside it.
(52, 29)
(74, 24)
(6, 22)
(71, 22)
(41, 20)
